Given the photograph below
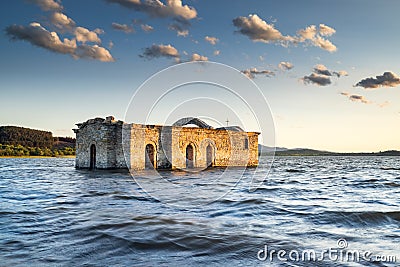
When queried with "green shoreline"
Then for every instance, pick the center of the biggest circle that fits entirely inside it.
(35, 157)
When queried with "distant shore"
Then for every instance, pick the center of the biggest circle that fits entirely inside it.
(310, 152)
(35, 157)
(301, 152)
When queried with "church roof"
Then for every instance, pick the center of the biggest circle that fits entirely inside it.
(231, 128)
(192, 120)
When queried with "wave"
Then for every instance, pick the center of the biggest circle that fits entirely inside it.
(357, 219)
(390, 169)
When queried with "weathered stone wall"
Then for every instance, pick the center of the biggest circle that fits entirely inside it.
(112, 138)
(137, 149)
(253, 149)
(228, 147)
(103, 134)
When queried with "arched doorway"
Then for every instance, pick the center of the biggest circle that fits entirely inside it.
(92, 165)
(189, 157)
(209, 156)
(150, 156)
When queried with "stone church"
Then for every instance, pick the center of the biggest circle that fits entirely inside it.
(188, 143)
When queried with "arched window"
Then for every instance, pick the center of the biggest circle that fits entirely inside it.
(92, 165)
(246, 143)
(150, 156)
(210, 156)
(189, 157)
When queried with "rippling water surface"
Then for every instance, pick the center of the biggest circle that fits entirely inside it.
(54, 215)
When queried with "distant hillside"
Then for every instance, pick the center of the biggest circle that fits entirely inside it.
(63, 142)
(268, 149)
(281, 151)
(13, 135)
(20, 141)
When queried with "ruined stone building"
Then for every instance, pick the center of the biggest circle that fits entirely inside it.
(110, 144)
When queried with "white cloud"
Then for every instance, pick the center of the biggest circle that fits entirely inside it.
(322, 76)
(211, 40)
(307, 33)
(62, 22)
(197, 57)
(260, 31)
(325, 30)
(39, 36)
(183, 33)
(84, 35)
(285, 65)
(322, 70)
(48, 5)
(146, 28)
(93, 52)
(122, 27)
(161, 50)
(217, 52)
(252, 72)
(180, 29)
(324, 44)
(356, 98)
(156, 8)
(341, 73)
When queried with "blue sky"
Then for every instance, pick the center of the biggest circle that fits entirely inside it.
(113, 46)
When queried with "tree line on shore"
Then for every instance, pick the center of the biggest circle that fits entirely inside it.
(21, 151)
(18, 141)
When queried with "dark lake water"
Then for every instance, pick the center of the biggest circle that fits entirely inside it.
(54, 215)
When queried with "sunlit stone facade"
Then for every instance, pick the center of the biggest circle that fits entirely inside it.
(110, 144)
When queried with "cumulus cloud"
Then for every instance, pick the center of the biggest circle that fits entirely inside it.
(93, 52)
(322, 76)
(313, 36)
(388, 79)
(252, 72)
(324, 44)
(62, 22)
(318, 79)
(180, 30)
(356, 98)
(84, 35)
(156, 51)
(197, 57)
(217, 52)
(341, 73)
(259, 30)
(48, 5)
(285, 65)
(122, 27)
(308, 33)
(325, 30)
(322, 70)
(146, 28)
(156, 8)
(41, 37)
(211, 40)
